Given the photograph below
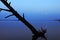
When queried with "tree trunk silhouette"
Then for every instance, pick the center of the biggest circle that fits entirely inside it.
(16, 14)
(23, 20)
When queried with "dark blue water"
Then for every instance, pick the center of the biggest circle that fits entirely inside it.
(17, 30)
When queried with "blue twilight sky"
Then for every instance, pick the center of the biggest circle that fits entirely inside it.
(38, 8)
(38, 5)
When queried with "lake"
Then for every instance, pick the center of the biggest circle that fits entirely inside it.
(18, 31)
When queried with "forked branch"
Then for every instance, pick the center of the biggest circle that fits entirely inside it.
(9, 16)
(16, 14)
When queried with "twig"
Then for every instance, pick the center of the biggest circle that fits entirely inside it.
(4, 9)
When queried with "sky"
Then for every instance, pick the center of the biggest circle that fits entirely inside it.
(38, 8)
(35, 5)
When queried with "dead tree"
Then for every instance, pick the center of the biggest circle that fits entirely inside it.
(16, 14)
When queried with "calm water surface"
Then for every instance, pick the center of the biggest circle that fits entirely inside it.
(18, 31)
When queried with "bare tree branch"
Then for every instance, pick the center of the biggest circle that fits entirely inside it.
(4, 9)
(9, 3)
(20, 18)
(16, 14)
(8, 16)
(23, 16)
